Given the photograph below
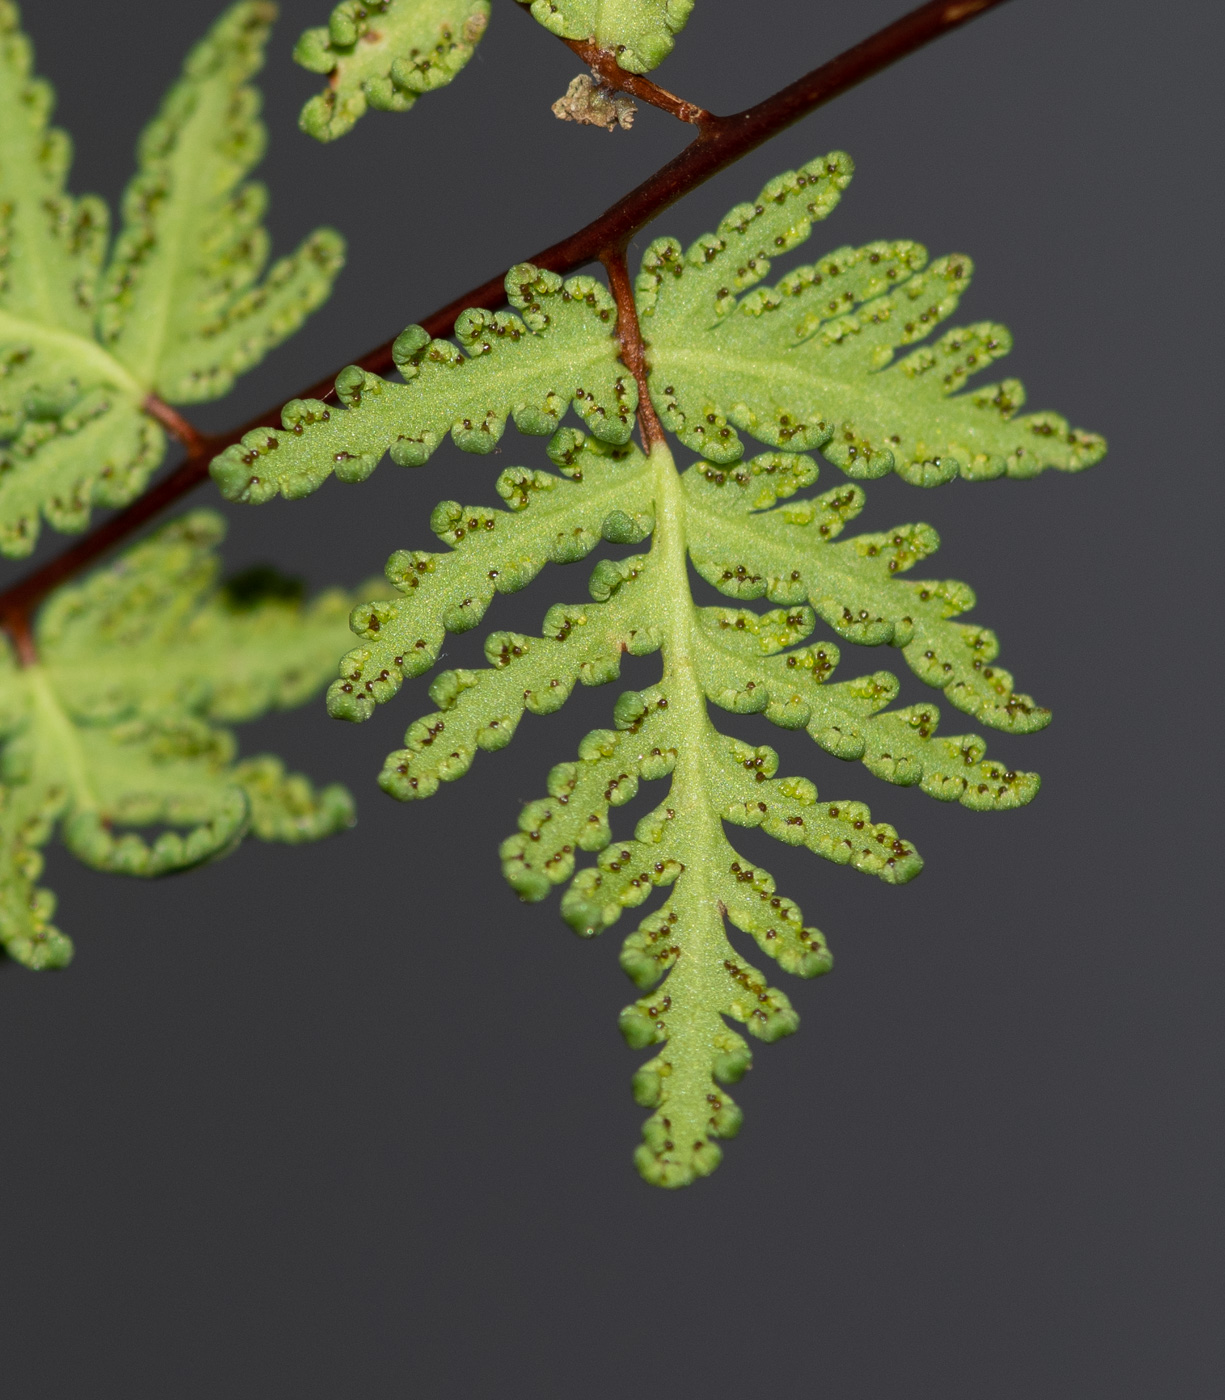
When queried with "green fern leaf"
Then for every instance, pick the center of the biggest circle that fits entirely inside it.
(747, 527)
(639, 32)
(561, 352)
(810, 363)
(180, 310)
(71, 433)
(184, 307)
(493, 551)
(730, 523)
(787, 555)
(384, 54)
(117, 726)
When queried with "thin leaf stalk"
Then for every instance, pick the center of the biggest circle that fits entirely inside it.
(604, 66)
(629, 334)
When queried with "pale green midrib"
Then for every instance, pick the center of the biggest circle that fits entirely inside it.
(588, 353)
(696, 981)
(446, 401)
(84, 350)
(58, 736)
(809, 381)
(155, 295)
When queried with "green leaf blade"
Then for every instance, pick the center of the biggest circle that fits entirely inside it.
(811, 363)
(113, 735)
(51, 245)
(788, 554)
(71, 432)
(492, 551)
(181, 309)
(560, 353)
(27, 935)
(384, 54)
(186, 305)
(640, 33)
(681, 950)
(64, 452)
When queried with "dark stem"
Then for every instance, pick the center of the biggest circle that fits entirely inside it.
(18, 603)
(629, 333)
(17, 625)
(724, 140)
(720, 142)
(176, 425)
(603, 63)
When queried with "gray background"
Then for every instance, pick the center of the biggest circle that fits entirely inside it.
(347, 1120)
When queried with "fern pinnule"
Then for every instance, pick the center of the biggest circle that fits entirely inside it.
(547, 519)
(386, 53)
(530, 368)
(182, 303)
(810, 363)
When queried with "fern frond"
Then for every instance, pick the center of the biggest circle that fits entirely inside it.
(810, 363)
(180, 310)
(717, 359)
(639, 32)
(183, 304)
(560, 353)
(384, 54)
(115, 728)
(481, 709)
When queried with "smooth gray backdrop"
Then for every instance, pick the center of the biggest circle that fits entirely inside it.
(348, 1121)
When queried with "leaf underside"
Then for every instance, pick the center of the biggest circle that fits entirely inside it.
(558, 352)
(811, 363)
(181, 306)
(116, 737)
(120, 726)
(808, 365)
(385, 54)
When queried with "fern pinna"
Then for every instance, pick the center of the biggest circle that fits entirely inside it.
(116, 688)
(112, 703)
(809, 364)
(119, 725)
(181, 306)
